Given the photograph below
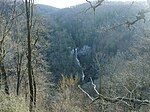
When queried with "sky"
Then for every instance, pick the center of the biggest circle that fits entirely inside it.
(68, 3)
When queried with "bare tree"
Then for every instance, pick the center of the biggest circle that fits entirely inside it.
(7, 19)
(29, 15)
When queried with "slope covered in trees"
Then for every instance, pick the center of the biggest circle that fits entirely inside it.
(58, 60)
(104, 31)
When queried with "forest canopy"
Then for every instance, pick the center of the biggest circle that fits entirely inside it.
(92, 57)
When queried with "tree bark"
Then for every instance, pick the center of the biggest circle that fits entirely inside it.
(27, 6)
(34, 86)
(19, 63)
(4, 77)
(18, 82)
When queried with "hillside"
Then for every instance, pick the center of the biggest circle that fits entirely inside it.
(45, 9)
(105, 31)
(85, 58)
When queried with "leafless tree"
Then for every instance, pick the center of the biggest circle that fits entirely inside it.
(29, 15)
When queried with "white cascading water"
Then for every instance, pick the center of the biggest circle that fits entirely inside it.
(78, 62)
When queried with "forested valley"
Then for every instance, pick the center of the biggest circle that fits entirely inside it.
(92, 57)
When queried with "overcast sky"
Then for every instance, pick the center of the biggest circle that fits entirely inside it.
(68, 3)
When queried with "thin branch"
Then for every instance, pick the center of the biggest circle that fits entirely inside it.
(117, 99)
(85, 92)
(98, 3)
(94, 86)
(140, 16)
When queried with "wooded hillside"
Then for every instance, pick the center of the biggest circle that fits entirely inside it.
(92, 57)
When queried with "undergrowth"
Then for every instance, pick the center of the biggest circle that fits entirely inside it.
(12, 103)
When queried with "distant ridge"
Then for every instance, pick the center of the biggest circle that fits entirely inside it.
(45, 9)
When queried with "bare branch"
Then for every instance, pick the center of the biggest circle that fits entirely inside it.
(98, 3)
(94, 86)
(140, 16)
(85, 92)
(115, 100)
(124, 100)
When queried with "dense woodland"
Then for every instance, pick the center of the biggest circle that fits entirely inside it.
(92, 57)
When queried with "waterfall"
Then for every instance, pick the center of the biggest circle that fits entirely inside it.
(76, 56)
(78, 62)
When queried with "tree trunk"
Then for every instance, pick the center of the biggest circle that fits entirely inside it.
(19, 63)
(18, 82)
(34, 85)
(4, 78)
(27, 6)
